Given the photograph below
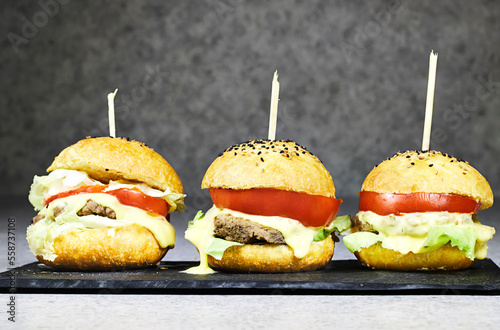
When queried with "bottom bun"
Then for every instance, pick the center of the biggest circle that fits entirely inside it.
(446, 257)
(131, 246)
(269, 258)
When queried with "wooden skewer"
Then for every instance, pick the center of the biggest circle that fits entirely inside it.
(426, 139)
(275, 91)
(111, 113)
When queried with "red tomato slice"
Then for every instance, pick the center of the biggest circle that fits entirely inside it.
(311, 210)
(385, 204)
(132, 197)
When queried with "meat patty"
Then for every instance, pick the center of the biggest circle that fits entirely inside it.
(241, 230)
(37, 218)
(362, 226)
(93, 208)
(57, 210)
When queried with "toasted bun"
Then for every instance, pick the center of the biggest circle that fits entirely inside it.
(282, 165)
(131, 246)
(431, 172)
(107, 158)
(446, 258)
(269, 258)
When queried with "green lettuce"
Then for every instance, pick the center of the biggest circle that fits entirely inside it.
(217, 247)
(362, 239)
(199, 215)
(339, 224)
(462, 237)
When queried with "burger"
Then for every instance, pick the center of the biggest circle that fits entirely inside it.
(104, 205)
(418, 211)
(274, 211)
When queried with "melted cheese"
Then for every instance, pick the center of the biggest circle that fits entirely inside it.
(413, 224)
(296, 235)
(68, 220)
(408, 232)
(200, 234)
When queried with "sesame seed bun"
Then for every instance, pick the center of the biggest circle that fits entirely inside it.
(283, 165)
(273, 258)
(430, 172)
(107, 158)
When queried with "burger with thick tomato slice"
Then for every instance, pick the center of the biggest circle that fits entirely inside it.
(104, 205)
(418, 211)
(274, 211)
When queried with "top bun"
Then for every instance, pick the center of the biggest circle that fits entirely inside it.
(108, 158)
(430, 172)
(283, 165)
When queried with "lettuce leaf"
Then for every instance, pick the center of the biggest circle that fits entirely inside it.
(362, 239)
(199, 215)
(56, 182)
(462, 237)
(217, 246)
(339, 224)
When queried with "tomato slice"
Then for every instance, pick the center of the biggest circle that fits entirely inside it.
(132, 197)
(311, 210)
(385, 204)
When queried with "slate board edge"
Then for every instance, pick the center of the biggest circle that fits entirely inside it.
(213, 286)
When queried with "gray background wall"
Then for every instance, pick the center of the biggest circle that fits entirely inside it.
(195, 77)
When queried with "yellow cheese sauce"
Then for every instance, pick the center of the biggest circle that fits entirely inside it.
(408, 232)
(296, 235)
(200, 234)
(68, 220)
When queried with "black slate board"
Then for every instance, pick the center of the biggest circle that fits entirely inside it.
(344, 277)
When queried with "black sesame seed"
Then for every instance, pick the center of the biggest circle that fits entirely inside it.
(412, 163)
(259, 152)
(430, 165)
(287, 155)
(107, 169)
(262, 159)
(281, 151)
(235, 154)
(408, 156)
